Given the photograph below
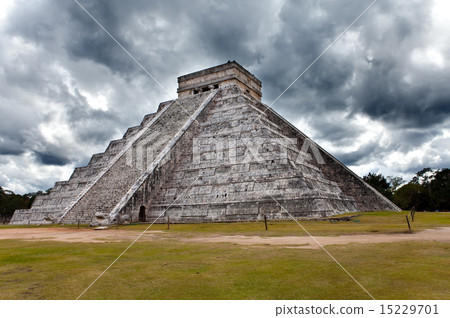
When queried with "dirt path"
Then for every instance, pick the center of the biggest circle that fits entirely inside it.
(73, 235)
(439, 234)
(90, 236)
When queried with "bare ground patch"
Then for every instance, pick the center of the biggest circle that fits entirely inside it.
(441, 234)
(72, 235)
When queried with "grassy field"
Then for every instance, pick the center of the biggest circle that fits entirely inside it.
(363, 223)
(172, 269)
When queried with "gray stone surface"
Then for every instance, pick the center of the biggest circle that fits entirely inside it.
(214, 156)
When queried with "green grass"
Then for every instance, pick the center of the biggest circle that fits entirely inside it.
(368, 222)
(172, 269)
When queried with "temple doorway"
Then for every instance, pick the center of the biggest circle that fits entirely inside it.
(142, 216)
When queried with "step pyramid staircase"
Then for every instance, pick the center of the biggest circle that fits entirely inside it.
(215, 154)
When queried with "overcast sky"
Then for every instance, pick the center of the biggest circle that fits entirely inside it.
(378, 99)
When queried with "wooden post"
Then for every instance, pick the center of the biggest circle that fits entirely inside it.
(413, 211)
(409, 225)
(265, 221)
(168, 222)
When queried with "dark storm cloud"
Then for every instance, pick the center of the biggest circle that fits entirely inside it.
(11, 147)
(379, 91)
(307, 28)
(384, 95)
(338, 131)
(226, 31)
(54, 56)
(54, 24)
(414, 137)
(51, 159)
(88, 41)
(356, 157)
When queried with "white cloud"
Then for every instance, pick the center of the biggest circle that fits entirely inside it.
(96, 101)
(429, 56)
(23, 174)
(5, 8)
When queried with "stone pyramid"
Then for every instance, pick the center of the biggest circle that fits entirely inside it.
(215, 154)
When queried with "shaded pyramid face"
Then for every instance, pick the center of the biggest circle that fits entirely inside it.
(216, 154)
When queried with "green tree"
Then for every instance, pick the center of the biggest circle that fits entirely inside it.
(428, 190)
(412, 195)
(423, 177)
(380, 183)
(395, 182)
(440, 189)
(9, 201)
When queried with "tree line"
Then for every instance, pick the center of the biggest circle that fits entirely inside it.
(428, 190)
(9, 202)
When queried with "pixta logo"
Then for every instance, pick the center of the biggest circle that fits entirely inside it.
(261, 150)
(143, 153)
